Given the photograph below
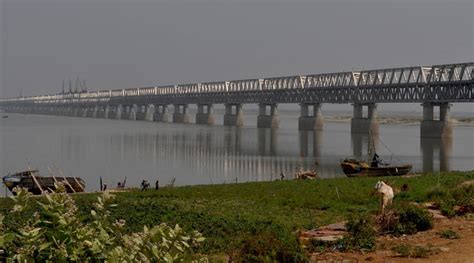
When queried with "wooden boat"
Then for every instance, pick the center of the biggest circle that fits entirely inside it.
(356, 168)
(37, 184)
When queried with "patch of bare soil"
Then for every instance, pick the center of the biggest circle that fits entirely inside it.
(441, 249)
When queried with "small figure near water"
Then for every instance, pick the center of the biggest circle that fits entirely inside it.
(157, 185)
(282, 176)
(145, 185)
(386, 194)
(375, 161)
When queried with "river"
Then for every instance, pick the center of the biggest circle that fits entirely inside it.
(197, 154)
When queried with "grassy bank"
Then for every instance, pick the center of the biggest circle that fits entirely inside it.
(262, 217)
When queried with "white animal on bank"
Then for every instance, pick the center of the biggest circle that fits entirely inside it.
(386, 194)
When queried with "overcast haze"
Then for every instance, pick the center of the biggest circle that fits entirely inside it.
(126, 44)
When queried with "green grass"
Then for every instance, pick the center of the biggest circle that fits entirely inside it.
(230, 215)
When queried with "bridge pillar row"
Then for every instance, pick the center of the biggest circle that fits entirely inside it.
(233, 115)
(308, 121)
(270, 120)
(368, 124)
(205, 114)
(180, 114)
(432, 127)
(161, 113)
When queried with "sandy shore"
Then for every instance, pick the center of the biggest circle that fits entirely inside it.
(399, 120)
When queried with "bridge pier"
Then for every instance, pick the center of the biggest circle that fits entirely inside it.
(310, 122)
(102, 112)
(365, 125)
(205, 114)
(84, 112)
(149, 112)
(161, 113)
(265, 120)
(141, 112)
(95, 111)
(231, 117)
(180, 114)
(118, 112)
(132, 114)
(431, 127)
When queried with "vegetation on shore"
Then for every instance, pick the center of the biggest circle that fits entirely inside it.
(259, 220)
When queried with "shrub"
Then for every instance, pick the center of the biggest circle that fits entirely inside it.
(361, 234)
(407, 219)
(402, 250)
(57, 233)
(448, 234)
(267, 246)
(447, 208)
(421, 252)
(405, 251)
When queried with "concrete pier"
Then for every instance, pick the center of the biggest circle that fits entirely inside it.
(100, 112)
(270, 120)
(432, 127)
(233, 115)
(141, 112)
(149, 111)
(310, 120)
(180, 114)
(95, 111)
(361, 124)
(132, 114)
(205, 114)
(118, 112)
(161, 113)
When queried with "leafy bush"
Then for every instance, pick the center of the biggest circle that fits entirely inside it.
(405, 251)
(407, 219)
(421, 252)
(402, 250)
(448, 234)
(267, 247)
(57, 233)
(361, 234)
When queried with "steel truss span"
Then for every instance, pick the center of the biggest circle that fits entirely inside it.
(438, 83)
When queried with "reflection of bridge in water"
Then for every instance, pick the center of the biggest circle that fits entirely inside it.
(228, 156)
(246, 154)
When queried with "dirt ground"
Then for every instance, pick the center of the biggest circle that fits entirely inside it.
(442, 250)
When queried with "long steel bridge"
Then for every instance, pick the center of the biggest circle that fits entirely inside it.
(436, 85)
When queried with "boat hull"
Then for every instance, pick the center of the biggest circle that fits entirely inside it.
(352, 169)
(26, 180)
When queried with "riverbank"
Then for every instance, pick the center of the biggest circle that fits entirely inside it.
(263, 218)
(399, 120)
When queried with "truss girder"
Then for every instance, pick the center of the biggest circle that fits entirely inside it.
(439, 83)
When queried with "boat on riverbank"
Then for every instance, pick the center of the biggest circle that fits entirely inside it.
(356, 168)
(37, 184)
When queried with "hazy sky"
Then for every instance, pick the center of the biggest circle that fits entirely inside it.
(126, 44)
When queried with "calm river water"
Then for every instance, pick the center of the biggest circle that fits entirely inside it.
(196, 154)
